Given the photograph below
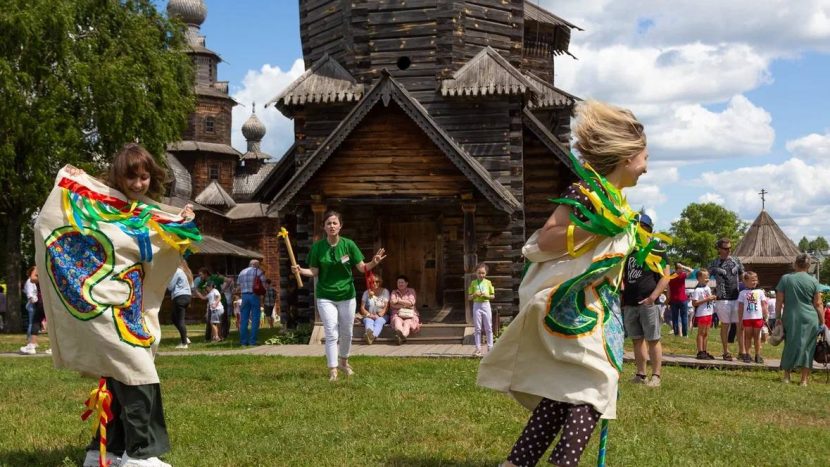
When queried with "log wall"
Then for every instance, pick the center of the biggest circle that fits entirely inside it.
(387, 158)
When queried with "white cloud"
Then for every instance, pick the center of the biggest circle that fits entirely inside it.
(711, 198)
(645, 194)
(740, 129)
(677, 64)
(811, 147)
(777, 26)
(648, 78)
(260, 87)
(797, 194)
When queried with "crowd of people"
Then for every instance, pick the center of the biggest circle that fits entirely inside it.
(561, 357)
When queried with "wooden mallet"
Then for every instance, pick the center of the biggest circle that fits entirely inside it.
(284, 234)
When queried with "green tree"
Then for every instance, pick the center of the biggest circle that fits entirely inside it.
(819, 244)
(78, 79)
(824, 271)
(699, 228)
(804, 244)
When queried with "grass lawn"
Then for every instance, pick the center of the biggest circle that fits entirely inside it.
(244, 410)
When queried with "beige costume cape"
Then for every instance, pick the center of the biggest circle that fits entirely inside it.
(571, 352)
(101, 290)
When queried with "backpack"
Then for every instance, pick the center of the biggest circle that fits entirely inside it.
(259, 287)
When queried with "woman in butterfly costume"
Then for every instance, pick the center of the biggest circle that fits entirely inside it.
(562, 354)
(106, 251)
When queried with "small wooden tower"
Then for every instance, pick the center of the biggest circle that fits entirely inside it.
(435, 128)
(766, 250)
(214, 177)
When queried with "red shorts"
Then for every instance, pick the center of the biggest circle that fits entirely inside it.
(754, 323)
(704, 320)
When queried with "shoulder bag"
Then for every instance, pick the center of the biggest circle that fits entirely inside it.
(259, 287)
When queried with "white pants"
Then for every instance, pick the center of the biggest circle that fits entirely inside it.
(483, 317)
(338, 324)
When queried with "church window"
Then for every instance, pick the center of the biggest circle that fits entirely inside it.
(213, 172)
(210, 124)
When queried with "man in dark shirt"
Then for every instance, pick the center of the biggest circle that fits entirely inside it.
(641, 288)
(728, 272)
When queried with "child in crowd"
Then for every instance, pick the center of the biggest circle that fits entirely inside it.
(481, 291)
(771, 310)
(702, 298)
(237, 308)
(35, 313)
(752, 311)
(215, 310)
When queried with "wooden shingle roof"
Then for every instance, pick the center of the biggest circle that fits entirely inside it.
(536, 13)
(549, 95)
(325, 82)
(216, 246)
(215, 196)
(766, 243)
(548, 32)
(201, 146)
(485, 74)
(385, 90)
(181, 183)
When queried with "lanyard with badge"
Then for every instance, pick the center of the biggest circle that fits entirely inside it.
(344, 260)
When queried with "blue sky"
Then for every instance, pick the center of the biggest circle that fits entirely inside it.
(733, 94)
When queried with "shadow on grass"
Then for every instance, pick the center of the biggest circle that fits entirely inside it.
(63, 456)
(434, 461)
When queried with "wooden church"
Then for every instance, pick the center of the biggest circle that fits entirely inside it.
(435, 128)
(766, 250)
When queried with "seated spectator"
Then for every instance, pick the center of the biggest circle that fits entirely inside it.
(405, 318)
(373, 308)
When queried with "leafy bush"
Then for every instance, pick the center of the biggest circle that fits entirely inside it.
(301, 335)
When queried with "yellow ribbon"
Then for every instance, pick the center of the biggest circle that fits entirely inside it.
(583, 249)
(99, 403)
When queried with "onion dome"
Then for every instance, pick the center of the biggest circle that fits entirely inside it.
(253, 129)
(192, 12)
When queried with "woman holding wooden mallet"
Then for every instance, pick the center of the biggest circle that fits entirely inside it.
(331, 260)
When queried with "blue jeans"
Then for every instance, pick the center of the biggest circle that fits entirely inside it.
(376, 325)
(250, 310)
(680, 318)
(30, 312)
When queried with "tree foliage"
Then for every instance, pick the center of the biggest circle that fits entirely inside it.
(817, 244)
(78, 79)
(699, 228)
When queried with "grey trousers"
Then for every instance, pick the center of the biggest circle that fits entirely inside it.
(138, 426)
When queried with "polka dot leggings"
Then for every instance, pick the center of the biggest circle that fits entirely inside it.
(545, 422)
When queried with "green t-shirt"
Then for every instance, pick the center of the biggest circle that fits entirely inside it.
(484, 286)
(335, 263)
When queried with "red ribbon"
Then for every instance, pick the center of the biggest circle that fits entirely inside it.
(100, 403)
(117, 203)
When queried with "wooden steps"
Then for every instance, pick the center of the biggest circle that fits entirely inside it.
(431, 333)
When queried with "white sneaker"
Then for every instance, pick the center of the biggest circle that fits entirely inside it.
(126, 461)
(28, 349)
(48, 351)
(92, 458)
(188, 340)
(181, 346)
